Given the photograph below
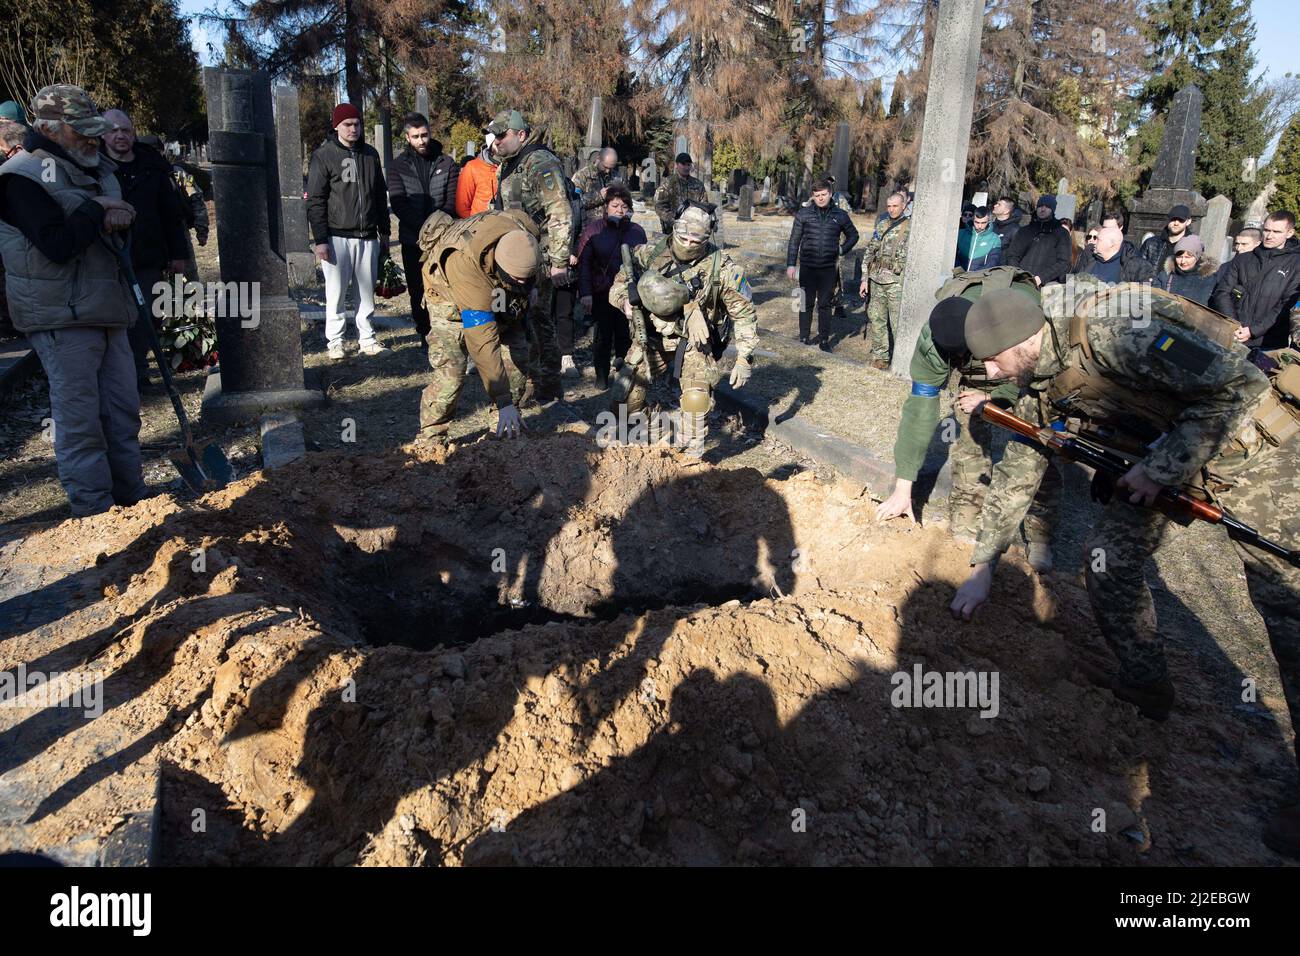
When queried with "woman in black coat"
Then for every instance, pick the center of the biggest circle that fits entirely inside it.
(1188, 272)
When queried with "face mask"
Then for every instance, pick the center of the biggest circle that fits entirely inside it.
(511, 284)
(614, 220)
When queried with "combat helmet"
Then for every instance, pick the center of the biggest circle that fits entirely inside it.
(661, 295)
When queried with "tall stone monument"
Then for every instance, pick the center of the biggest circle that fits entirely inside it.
(422, 101)
(293, 208)
(1214, 228)
(1174, 171)
(595, 130)
(260, 342)
(682, 147)
(840, 158)
(941, 169)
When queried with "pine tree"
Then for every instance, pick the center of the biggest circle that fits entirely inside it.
(1285, 169)
(1206, 43)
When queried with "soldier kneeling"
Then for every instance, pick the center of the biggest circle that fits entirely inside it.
(479, 279)
(695, 299)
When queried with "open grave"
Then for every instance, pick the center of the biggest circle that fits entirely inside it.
(550, 652)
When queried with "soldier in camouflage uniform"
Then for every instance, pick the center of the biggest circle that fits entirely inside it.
(1192, 410)
(591, 181)
(882, 270)
(940, 351)
(480, 275)
(676, 191)
(531, 178)
(716, 306)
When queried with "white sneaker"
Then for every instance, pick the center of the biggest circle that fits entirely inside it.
(374, 348)
(566, 365)
(336, 352)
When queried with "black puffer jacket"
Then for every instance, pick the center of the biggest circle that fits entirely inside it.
(1258, 290)
(417, 186)
(345, 193)
(815, 236)
(1042, 249)
(1132, 267)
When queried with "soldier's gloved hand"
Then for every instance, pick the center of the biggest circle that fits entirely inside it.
(740, 373)
(972, 595)
(697, 327)
(509, 422)
(560, 276)
(627, 310)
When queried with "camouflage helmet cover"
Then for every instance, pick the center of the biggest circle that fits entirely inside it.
(662, 296)
(72, 105)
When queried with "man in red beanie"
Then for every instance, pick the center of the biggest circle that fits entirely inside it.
(347, 212)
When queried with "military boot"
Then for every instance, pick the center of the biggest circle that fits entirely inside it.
(1040, 556)
(1282, 835)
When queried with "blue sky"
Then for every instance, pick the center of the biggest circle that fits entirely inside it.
(1275, 45)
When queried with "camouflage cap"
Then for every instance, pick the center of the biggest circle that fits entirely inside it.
(507, 120)
(72, 105)
(694, 223)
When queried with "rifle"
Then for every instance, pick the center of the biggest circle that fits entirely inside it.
(1175, 503)
(639, 335)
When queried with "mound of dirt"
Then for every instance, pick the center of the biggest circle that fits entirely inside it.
(553, 653)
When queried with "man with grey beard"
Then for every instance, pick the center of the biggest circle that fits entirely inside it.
(57, 198)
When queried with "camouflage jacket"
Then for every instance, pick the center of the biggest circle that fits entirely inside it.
(534, 181)
(886, 251)
(672, 193)
(1217, 388)
(727, 300)
(590, 180)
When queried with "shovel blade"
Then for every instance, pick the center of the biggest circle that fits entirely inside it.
(204, 469)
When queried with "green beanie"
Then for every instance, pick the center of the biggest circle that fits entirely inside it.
(1000, 319)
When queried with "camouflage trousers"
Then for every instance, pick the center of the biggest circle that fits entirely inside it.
(971, 457)
(698, 373)
(547, 380)
(882, 316)
(1267, 497)
(447, 357)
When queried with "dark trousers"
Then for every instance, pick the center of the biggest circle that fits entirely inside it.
(415, 286)
(612, 337)
(564, 301)
(137, 335)
(816, 283)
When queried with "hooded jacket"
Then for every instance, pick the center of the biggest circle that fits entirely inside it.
(1042, 249)
(1197, 285)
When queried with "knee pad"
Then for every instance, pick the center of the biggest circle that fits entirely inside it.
(696, 400)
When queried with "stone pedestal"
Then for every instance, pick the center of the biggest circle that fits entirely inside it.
(595, 130)
(840, 158)
(745, 208)
(260, 348)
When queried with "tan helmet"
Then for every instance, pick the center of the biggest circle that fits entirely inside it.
(662, 296)
(517, 254)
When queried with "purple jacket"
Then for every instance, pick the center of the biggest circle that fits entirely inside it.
(599, 258)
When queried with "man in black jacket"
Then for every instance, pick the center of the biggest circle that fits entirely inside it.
(1156, 249)
(1006, 221)
(1041, 248)
(421, 179)
(158, 237)
(1260, 287)
(1112, 261)
(347, 212)
(815, 244)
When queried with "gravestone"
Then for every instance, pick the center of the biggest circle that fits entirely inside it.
(383, 145)
(941, 168)
(261, 348)
(745, 209)
(1214, 228)
(1173, 173)
(682, 147)
(422, 101)
(293, 208)
(840, 157)
(594, 132)
(765, 196)
(1065, 206)
(649, 177)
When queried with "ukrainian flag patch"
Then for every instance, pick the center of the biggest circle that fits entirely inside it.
(1183, 352)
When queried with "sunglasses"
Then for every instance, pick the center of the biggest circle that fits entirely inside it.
(11, 150)
(1092, 237)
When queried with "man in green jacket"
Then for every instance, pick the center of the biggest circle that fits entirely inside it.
(941, 350)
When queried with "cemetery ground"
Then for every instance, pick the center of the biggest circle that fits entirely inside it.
(550, 652)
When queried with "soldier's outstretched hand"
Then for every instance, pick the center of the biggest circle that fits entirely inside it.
(898, 503)
(697, 327)
(972, 595)
(509, 423)
(740, 373)
(1143, 490)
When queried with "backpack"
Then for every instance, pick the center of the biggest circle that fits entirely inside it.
(971, 285)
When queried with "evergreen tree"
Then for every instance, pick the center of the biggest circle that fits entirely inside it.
(1285, 169)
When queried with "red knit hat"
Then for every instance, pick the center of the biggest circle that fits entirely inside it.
(344, 111)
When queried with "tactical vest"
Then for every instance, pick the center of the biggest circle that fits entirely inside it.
(1084, 389)
(708, 294)
(971, 285)
(441, 235)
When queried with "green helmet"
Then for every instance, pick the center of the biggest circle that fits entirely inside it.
(662, 296)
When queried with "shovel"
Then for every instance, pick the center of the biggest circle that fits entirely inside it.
(202, 468)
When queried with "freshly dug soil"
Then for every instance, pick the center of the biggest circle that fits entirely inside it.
(546, 652)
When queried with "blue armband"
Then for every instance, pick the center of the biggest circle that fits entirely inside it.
(472, 317)
(925, 391)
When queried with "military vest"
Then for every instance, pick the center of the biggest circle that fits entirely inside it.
(1085, 391)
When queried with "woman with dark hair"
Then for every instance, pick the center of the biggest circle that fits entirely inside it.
(599, 259)
(1189, 272)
